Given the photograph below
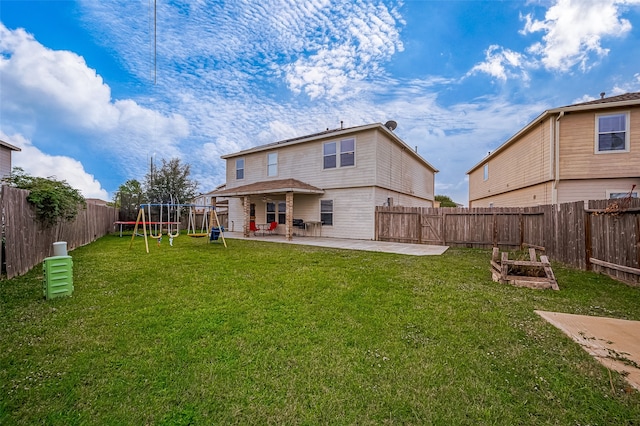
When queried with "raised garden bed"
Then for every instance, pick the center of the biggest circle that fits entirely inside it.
(532, 273)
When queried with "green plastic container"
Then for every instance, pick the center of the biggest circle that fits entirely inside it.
(58, 277)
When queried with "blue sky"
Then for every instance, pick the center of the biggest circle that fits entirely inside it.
(85, 97)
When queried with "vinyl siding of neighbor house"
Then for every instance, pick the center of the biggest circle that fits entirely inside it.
(5, 161)
(525, 197)
(578, 159)
(522, 166)
(594, 189)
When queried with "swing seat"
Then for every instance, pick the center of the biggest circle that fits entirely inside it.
(215, 233)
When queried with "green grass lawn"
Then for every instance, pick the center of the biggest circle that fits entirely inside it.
(265, 333)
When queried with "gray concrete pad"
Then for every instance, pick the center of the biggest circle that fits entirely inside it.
(348, 244)
(613, 342)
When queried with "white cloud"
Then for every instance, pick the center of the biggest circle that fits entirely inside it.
(574, 30)
(502, 63)
(351, 51)
(573, 34)
(35, 77)
(36, 163)
(47, 92)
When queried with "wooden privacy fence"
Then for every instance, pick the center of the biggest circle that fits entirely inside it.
(28, 243)
(586, 238)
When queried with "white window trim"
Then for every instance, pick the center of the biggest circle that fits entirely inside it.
(627, 137)
(354, 152)
(269, 154)
(244, 168)
(485, 172)
(332, 211)
(338, 154)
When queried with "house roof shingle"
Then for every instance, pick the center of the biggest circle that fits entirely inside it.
(270, 187)
(635, 96)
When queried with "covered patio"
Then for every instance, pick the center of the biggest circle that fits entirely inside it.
(264, 191)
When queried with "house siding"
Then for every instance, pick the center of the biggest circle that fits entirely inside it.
(578, 159)
(594, 189)
(305, 162)
(5, 161)
(399, 171)
(518, 167)
(524, 197)
(525, 166)
(383, 169)
(353, 213)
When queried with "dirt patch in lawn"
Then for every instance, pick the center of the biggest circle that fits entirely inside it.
(613, 342)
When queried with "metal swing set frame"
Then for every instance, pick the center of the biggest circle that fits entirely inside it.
(171, 232)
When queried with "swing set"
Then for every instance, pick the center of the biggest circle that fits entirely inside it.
(155, 228)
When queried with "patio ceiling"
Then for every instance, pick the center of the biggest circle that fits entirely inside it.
(281, 186)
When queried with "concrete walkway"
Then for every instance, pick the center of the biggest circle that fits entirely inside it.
(613, 342)
(348, 244)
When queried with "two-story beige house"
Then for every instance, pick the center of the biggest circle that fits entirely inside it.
(330, 181)
(585, 151)
(5, 158)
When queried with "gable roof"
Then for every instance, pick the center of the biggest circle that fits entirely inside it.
(619, 98)
(270, 187)
(627, 99)
(8, 145)
(330, 133)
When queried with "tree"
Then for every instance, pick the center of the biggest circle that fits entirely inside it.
(170, 183)
(129, 196)
(445, 201)
(53, 200)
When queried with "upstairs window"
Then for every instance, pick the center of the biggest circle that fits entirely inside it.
(347, 152)
(486, 171)
(240, 168)
(339, 154)
(329, 154)
(272, 164)
(612, 132)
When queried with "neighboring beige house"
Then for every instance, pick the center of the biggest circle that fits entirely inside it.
(5, 158)
(208, 199)
(331, 180)
(586, 151)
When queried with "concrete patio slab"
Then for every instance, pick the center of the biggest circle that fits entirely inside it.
(613, 342)
(349, 244)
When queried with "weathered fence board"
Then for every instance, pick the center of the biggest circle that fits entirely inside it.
(569, 233)
(28, 243)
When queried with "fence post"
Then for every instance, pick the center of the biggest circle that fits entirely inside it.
(587, 240)
(420, 212)
(495, 230)
(521, 224)
(443, 227)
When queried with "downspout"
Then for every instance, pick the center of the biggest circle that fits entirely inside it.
(556, 160)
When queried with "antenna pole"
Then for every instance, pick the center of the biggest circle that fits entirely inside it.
(155, 41)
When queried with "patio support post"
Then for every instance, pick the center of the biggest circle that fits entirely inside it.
(288, 229)
(247, 217)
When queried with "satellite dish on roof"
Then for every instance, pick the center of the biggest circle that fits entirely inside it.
(391, 125)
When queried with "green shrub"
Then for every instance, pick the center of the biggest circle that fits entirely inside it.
(53, 200)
